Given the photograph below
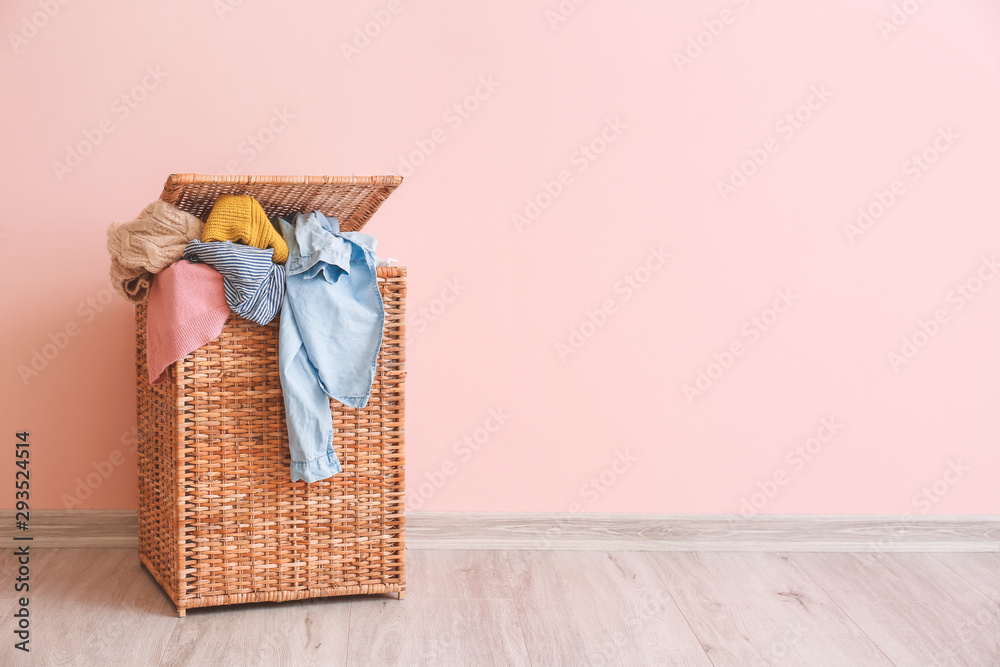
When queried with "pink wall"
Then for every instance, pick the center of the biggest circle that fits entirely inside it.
(573, 260)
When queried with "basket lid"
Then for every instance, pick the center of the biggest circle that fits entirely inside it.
(352, 199)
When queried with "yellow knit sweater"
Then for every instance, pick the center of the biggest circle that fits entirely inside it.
(241, 218)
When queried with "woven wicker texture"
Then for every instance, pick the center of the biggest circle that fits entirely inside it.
(220, 522)
(353, 199)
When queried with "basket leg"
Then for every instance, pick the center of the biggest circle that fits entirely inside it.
(400, 595)
(181, 612)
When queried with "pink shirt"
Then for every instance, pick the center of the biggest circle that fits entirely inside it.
(186, 309)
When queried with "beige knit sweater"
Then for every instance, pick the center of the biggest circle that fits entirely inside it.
(147, 245)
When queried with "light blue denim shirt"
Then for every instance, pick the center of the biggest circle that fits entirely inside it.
(329, 335)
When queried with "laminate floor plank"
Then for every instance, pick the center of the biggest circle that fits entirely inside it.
(581, 575)
(435, 631)
(8, 570)
(914, 607)
(598, 608)
(456, 573)
(93, 607)
(752, 608)
(487, 607)
(9, 653)
(915, 634)
(300, 632)
(894, 576)
(982, 570)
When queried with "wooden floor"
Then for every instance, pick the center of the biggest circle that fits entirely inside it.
(467, 607)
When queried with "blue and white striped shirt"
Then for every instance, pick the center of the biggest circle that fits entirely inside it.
(254, 284)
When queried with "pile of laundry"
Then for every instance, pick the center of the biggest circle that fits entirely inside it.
(192, 274)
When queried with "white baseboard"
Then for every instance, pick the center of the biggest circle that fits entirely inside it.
(702, 532)
(591, 532)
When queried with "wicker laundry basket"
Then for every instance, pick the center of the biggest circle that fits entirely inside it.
(220, 522)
